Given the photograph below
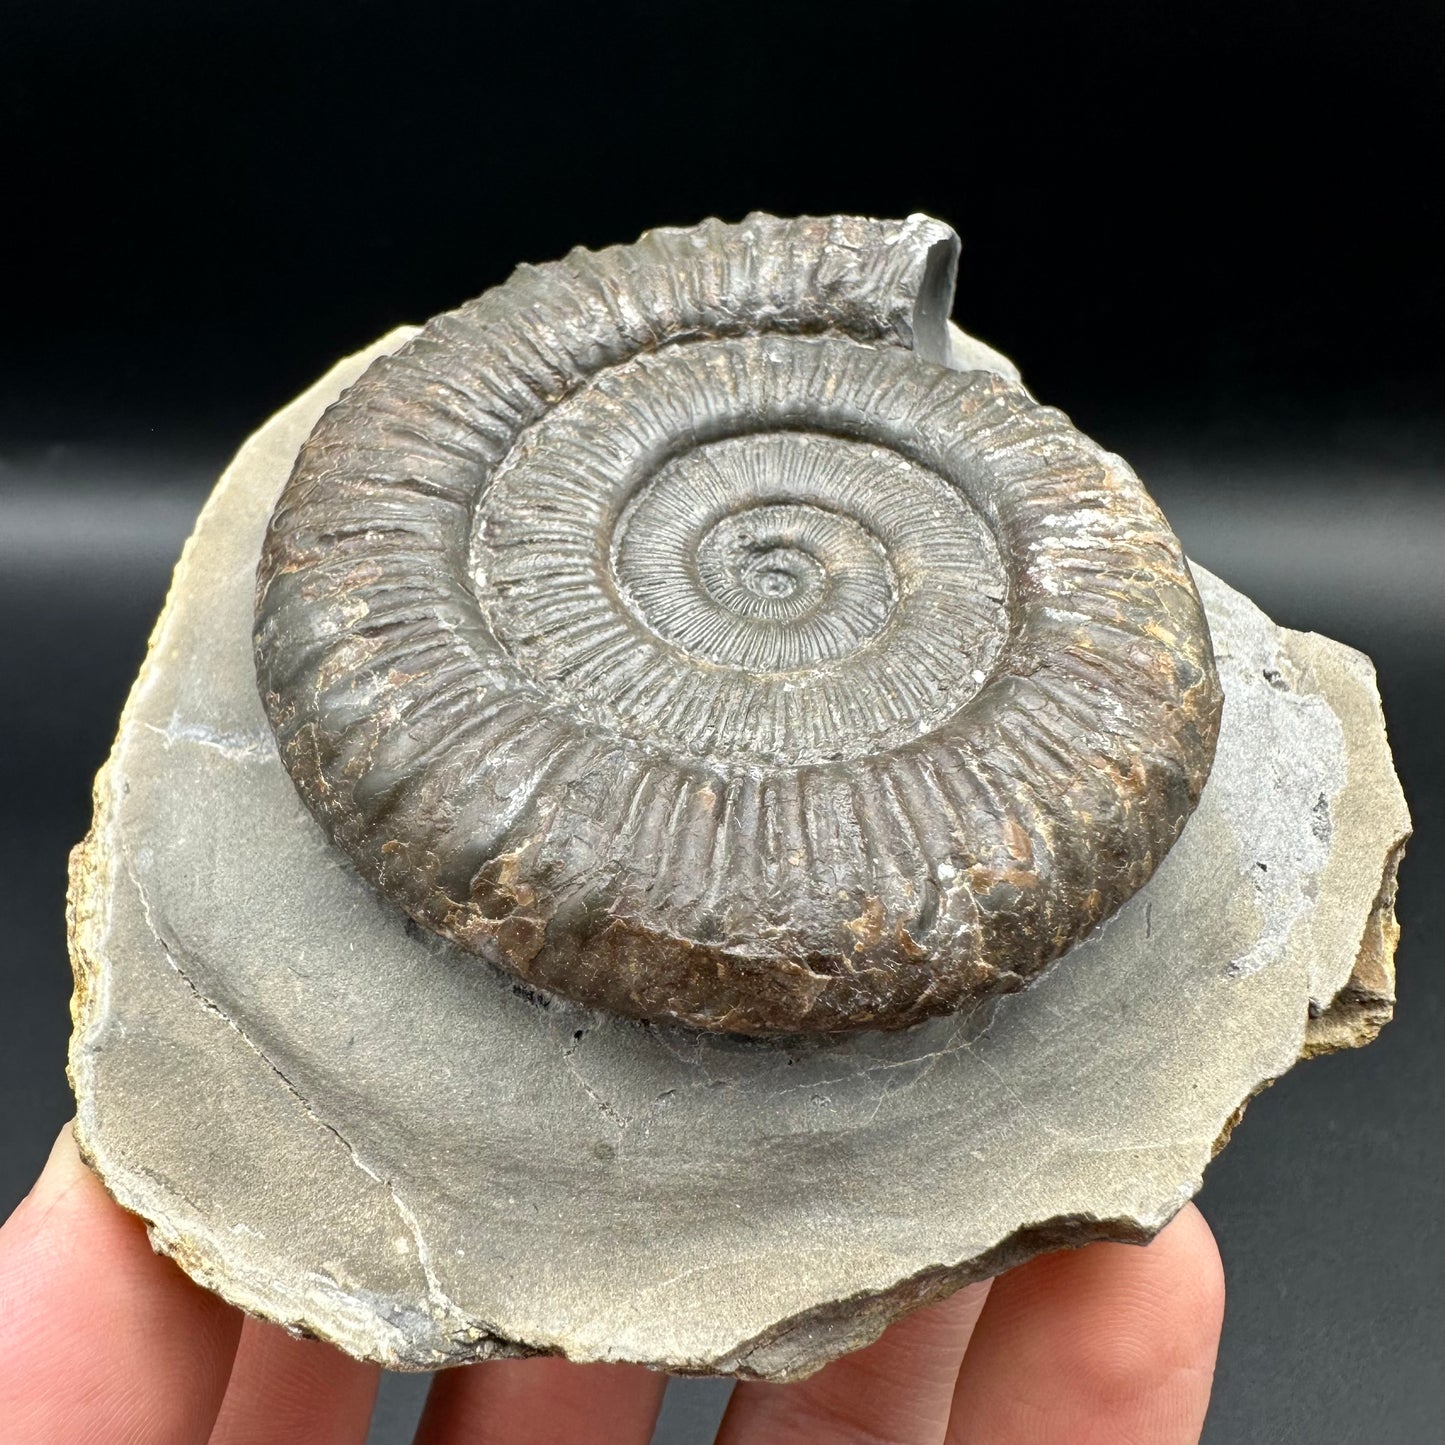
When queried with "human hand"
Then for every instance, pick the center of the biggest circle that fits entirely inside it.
(103, 1342)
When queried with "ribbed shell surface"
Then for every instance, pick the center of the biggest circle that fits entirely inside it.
(673, 627)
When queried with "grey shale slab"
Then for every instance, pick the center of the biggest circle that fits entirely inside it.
(346, 1126)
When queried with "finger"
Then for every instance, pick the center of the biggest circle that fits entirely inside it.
(284, 1390)
(1107, 1345)
(101, 1338)
(541, 1402)
(898, 1389)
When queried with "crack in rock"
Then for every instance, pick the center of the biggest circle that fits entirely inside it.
(459, 1323)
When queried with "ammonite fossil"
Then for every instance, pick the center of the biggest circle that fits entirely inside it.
(675, 627)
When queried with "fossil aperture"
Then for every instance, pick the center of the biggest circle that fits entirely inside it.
(672, 626)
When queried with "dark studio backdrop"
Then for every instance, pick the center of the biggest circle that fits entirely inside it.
(1209, 232)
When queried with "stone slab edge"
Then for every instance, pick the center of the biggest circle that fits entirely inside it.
(1345, 1016)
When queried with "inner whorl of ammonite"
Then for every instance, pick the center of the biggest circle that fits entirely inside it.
(674, 628)
(769, 595)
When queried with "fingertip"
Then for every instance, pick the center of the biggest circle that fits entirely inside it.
(1110, 1342)
(900, 1387)
(64, 1169)
(1201, 1263)
(1143, 1324)
(101, 1338)
(285, 1389)
(540, 1401)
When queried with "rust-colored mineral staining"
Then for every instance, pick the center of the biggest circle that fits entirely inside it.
(673, 627)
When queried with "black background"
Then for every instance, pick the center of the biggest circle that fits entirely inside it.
(1209, 232)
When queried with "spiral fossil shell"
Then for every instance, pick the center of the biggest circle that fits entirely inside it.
(672, 626)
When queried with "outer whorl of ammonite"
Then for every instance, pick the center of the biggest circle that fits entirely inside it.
(673, 627)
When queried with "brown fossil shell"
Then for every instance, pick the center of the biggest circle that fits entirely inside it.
(674, 628)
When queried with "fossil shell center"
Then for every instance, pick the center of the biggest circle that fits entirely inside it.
(765, 593)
